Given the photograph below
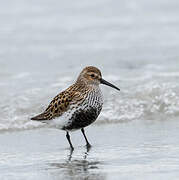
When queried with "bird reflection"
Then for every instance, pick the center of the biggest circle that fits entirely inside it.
(85, 154)
(75, 168)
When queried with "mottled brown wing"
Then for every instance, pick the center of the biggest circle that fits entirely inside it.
(57, 106)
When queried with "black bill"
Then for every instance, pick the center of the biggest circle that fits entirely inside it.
(109, 84)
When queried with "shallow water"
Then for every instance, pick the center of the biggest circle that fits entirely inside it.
(135, 150)
(43, 47)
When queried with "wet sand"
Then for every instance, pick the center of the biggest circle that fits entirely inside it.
(135, 150)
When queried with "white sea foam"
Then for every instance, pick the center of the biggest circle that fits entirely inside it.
(153, 98)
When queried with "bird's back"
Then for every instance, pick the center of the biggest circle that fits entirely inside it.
(59, 105)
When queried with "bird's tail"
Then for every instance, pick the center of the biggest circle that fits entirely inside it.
(40, 117)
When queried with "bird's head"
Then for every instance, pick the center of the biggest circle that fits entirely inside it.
(92, 76)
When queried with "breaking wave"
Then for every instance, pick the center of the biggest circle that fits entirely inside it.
(153, 97)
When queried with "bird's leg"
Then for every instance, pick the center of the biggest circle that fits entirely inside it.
(70, 155)
(68, 138)
(88, 145)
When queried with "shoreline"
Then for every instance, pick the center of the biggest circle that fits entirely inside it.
(125, 151)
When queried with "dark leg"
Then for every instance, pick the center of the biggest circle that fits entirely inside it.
(87, 143)
(68, 138)
(70, 155)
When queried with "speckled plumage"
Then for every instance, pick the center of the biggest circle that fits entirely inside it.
(78, 106)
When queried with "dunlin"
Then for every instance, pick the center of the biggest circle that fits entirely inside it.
(78, 106)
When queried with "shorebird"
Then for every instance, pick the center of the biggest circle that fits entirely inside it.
(78, 106)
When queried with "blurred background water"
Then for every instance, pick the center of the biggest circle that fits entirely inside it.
(44, 45)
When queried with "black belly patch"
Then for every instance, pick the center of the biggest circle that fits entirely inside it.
(82, 118)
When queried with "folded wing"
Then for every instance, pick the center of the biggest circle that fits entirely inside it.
(59, 105)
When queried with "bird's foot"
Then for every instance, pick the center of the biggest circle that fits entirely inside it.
(71, 148)
(70, 154)
(88, 146)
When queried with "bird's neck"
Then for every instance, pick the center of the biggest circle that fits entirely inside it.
(83, 85)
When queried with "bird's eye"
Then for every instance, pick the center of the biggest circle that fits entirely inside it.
(92, 75)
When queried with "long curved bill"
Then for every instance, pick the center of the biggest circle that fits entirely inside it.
(109, 84)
